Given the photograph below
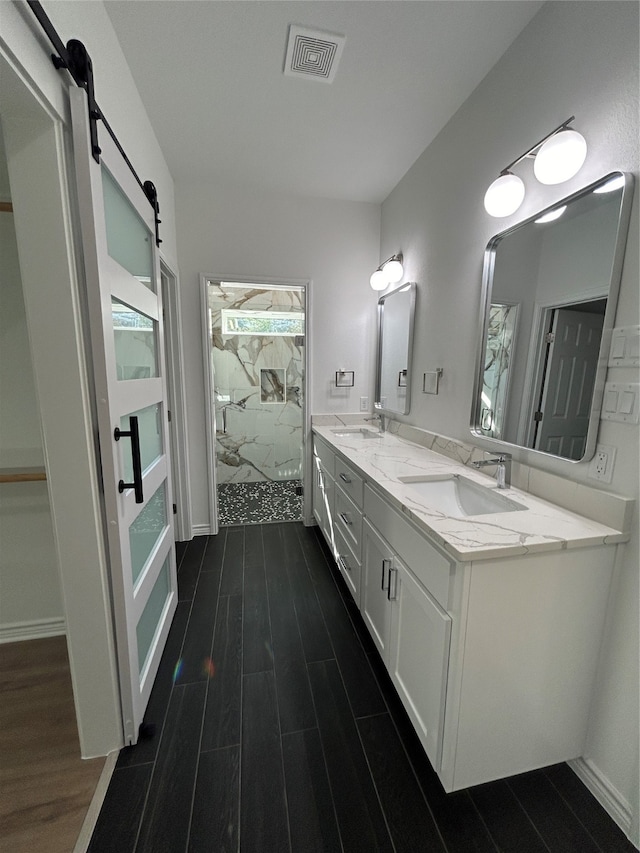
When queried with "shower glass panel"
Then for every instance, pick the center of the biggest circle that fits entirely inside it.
(257, 361)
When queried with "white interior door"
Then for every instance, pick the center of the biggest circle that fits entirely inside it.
(127, 340)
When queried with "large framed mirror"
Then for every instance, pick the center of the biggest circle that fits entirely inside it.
(396, 313)
(550, 289)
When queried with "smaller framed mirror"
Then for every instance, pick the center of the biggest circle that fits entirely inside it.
(550, 289)
(396, 314)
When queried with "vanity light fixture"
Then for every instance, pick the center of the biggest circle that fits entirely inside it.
(505, 195)
(558, 157)
(389, 272)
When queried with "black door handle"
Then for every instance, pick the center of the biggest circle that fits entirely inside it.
(134, 435)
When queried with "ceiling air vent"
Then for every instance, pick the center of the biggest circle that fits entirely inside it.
(313, 54)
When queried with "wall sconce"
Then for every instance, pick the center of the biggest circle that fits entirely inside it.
(558, 157)
(389, 272)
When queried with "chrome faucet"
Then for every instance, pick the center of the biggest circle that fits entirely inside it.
(378, 417)
(503, 471)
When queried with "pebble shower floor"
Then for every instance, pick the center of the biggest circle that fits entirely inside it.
(259, 503)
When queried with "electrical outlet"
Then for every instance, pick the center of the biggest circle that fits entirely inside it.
(601, 466)
(364, 404)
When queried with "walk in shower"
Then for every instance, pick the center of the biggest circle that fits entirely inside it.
(256, 351)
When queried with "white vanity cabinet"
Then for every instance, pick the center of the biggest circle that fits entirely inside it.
(494, 657)
(419, 658)
(375, 598)
(405, 593)
(337, 507)
(323, 488)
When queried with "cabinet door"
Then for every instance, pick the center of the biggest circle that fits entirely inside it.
(374, 602)
(348, 564)
(319, 511)
(419, 658)
(323, 500)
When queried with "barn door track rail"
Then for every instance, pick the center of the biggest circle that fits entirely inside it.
(74, 58)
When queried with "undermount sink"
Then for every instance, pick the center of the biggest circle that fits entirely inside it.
(355, 432)
(459, 497)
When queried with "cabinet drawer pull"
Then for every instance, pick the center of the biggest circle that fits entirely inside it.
(344, 478)
(343, 563)
(345, 518)
(395, 585)
(385, 564)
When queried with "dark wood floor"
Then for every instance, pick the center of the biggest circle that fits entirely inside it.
(277, 730)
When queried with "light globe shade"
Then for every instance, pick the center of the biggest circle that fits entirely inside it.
(393, 271)
(560, 158)
(504, 196)
(378, 280)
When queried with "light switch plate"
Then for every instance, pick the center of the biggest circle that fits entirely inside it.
(625, 347)
(431, 381)
(621, 402)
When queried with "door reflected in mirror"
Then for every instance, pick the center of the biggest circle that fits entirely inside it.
(550, 293)
(396, 311)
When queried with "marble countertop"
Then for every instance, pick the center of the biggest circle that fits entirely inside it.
(543, 526)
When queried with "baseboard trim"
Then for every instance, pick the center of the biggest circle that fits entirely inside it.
(605, 793)
(201, 530)
(93, 812)
(35, 629)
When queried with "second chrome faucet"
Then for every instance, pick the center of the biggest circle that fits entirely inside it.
(503, 471)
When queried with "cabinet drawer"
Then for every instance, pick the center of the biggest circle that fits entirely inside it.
(350, 482)
(348, 520)
(324, 454)
(348, 563)
(427, 563)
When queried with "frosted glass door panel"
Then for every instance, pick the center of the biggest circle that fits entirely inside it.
(129, 241)
(150, 618)
(146, 530)
(135, 343)
(150, 430)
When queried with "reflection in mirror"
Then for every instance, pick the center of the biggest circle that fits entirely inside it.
(550, 292)
(396, 312)
(496, 375)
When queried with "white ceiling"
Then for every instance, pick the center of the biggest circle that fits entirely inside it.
(211, 76)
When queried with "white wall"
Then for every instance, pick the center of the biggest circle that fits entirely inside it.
(30, 600)
(573, 59)
(225, 231)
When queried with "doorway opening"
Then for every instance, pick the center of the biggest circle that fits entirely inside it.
(256, 369)
(569, 347)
